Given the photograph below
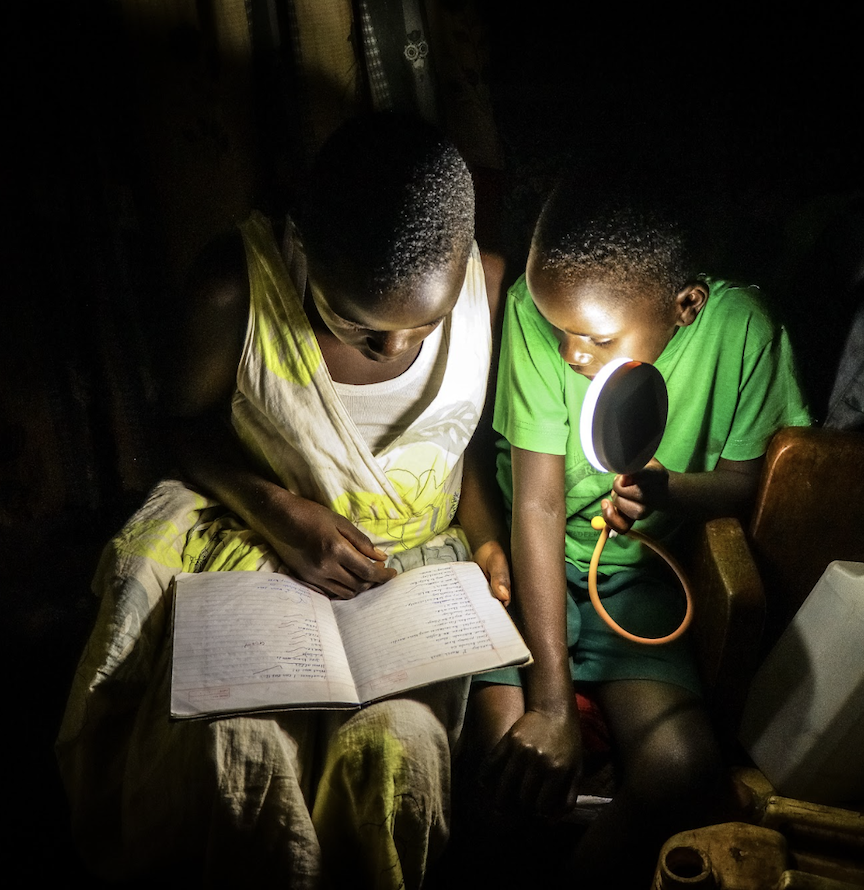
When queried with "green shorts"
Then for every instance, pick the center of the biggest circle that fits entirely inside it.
(643, 604)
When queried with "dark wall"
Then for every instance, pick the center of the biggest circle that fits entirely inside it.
(757, 105)
(753, 109)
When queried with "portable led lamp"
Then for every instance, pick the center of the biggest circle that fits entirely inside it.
(621, 423)
(623, 416)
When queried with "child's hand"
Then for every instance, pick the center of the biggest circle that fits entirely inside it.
(493, 560)
(325, 550)
(537, 765)
(637, 495)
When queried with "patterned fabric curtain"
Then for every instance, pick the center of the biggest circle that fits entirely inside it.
(395, 45)
(343, 56)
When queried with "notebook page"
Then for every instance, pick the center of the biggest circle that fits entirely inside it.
(251, 640)
(428, 624)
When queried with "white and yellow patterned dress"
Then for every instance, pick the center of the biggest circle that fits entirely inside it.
(277, 795)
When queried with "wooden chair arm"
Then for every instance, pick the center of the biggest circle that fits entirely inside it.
(729, 615)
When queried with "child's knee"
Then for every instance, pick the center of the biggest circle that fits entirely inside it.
(389, 744)
(685, 770)
(492, 709)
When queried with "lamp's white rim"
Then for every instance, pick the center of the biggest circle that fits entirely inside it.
(589, 405)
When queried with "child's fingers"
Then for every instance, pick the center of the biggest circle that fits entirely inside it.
(361, 542)
(628, 488)
(499, 577)
(558, 795)
(646, 490)
(506, 785)
(614, 517)
(496, 567)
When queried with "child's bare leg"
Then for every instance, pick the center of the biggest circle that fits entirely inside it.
(671, 766)
(482, 838)
(492, 709)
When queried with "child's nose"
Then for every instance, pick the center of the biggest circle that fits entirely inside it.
(571, 350)
(390, 344)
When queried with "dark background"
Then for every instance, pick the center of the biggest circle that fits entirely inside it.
(758, 109)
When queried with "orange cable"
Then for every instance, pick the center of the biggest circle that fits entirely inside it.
(674, 565)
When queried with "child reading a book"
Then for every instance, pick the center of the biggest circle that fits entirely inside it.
(609, 275)
(331, 374)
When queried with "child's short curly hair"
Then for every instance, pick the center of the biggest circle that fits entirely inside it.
(624, 229)
(390, 197)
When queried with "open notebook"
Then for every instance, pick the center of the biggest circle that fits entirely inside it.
(255, 641)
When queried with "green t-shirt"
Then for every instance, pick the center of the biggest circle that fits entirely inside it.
(731, 381)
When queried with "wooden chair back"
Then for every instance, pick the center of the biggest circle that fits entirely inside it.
(809, 512)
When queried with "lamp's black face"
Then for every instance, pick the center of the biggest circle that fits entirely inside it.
(624, 417)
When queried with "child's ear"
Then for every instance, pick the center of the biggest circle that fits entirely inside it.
(689, 302)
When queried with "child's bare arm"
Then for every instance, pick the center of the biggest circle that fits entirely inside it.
(316, 544)
(728, 490)
(481, 507)
(481, 513)
(538, 762)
